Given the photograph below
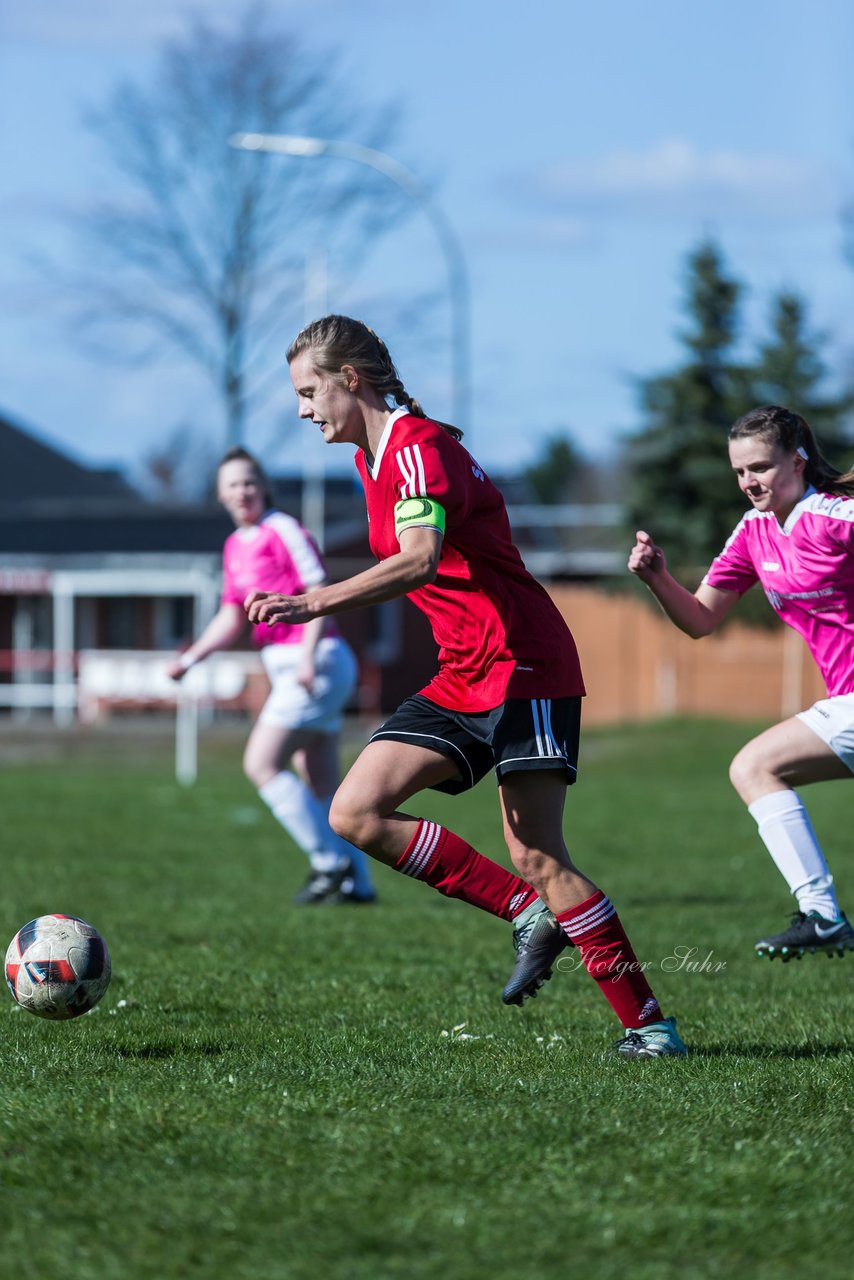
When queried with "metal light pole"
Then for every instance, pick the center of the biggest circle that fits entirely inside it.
(314, 459)
(294, 145)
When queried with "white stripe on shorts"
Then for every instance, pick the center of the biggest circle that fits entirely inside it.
(541, 710)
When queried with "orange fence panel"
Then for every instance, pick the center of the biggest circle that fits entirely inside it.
(637, 665)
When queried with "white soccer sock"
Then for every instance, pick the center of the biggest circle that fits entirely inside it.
(787, 833)
(359, 861)
(303, 817)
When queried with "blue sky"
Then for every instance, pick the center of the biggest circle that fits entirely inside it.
(579, 151)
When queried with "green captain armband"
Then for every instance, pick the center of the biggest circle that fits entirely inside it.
(418, 513)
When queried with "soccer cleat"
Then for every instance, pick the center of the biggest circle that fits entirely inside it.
(537, 942)
(323, 886)
(347, 894)
(808, 933)
(655, 1040)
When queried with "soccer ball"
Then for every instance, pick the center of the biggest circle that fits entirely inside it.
(57, 967)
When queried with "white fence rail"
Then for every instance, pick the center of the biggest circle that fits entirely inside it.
(131, 679)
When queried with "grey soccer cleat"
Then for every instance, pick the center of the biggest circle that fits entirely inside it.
(808, 933)
(655, 1040)
(538, 941)
(347, 896)
(323, 887)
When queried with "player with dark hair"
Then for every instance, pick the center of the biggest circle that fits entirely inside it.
(312, 672)
(507, 694)
(798, 542)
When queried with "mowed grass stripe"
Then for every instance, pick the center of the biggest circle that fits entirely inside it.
(290, 1093)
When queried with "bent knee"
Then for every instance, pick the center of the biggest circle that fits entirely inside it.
(741, 771)
(750, 774)
(257, 771)
(352, 820)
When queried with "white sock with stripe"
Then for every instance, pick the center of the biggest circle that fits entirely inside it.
(301, 814)
(787, 833)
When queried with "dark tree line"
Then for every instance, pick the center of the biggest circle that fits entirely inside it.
(674, 477)
(679, 483)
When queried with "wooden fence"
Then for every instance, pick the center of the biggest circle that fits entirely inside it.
(637, 665)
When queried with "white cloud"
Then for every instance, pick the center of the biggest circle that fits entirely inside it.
(106, 24)
(554, 232)
(118, 25)
(676, 178)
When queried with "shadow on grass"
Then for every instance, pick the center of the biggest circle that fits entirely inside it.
(814, 1051)
(175, 1049)
(681, 900)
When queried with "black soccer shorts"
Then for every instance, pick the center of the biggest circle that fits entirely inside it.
(521, 734)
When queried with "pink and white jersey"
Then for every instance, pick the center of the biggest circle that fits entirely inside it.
(806, 568)
(276, 554)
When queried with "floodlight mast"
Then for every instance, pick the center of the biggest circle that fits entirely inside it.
(309, 147)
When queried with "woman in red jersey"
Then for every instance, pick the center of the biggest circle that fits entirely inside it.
(507, 695)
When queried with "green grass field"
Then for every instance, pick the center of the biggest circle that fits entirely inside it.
(267, 1091)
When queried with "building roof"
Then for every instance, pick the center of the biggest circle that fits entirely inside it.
(77, 526)
(30, 468)
(52, 506)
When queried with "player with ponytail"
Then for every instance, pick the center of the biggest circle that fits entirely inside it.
(797, 541)
(292, 756)
(507, 695)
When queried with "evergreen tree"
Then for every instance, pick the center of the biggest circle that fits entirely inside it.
(558, 473)
(679, 485)
(790, 371)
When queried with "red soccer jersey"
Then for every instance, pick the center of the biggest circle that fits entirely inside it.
(499, 633)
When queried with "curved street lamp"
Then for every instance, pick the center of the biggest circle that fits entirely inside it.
(295, 145)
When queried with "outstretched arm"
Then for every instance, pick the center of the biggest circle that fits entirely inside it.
(224, 628)
(414, 565)
(698, 613)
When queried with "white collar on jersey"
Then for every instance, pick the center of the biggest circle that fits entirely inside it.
(246, 532)
(798, 510)
(384, 439)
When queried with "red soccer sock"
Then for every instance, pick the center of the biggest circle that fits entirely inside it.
(457, 870)
(595, 928)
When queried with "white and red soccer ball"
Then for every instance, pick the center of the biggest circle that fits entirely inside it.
(57, 967)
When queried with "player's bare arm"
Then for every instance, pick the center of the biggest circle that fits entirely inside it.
(697, 613)
(226, 627)
(414, 566)
(645, 558)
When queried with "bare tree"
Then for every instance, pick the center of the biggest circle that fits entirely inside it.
(204, 250)
(181, 465)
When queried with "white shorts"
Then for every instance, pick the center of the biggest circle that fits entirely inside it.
(833, 720)
(290, 705)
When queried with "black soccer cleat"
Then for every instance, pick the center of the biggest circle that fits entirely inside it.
(323, 887)
(808, 933)
(538, 942)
